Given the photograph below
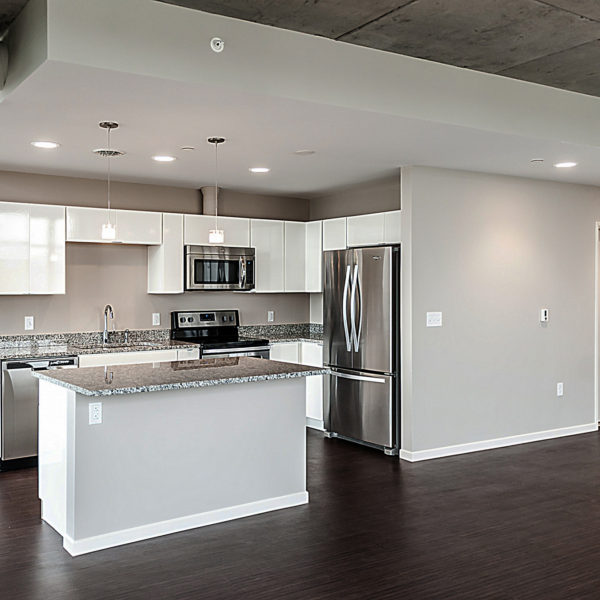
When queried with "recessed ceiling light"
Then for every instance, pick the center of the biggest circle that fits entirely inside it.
(536, 160)
(188, 148)
(47, 145)
(565, 165)
(304, 152)
(259, 169)
(163, 158)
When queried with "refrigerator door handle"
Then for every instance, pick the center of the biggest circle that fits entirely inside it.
(345, 311)
(357, 377)
(360, 305)
(355, 336)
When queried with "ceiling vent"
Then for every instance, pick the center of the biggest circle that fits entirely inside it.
(3, 64)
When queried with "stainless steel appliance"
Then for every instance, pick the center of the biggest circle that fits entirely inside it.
(219, 268)
(19, 408)
(361, 345)
(217, 333)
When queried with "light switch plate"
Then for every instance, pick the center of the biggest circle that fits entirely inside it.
(544, 315)
(434, 319)
(559, 389)
(28, 323)
(155, 318)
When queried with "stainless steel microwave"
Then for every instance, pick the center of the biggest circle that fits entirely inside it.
(219, 268)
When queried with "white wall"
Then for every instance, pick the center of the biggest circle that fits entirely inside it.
(490, 252)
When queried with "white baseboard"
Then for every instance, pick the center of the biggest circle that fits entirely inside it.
(315, 423)
(144, 532)
(496, 443)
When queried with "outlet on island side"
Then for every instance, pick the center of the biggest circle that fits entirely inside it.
(95, 413)
(270, 316)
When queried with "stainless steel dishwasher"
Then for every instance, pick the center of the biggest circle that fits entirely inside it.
(19, 408)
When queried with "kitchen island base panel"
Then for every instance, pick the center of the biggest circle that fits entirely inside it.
(162, 462)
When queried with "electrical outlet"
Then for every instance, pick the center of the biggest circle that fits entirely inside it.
(28, 323)
(559, 388)
(270, 316)
(434, 319)
(95, 413)
(155, 318)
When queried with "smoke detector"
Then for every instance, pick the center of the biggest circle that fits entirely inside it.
(217, 44)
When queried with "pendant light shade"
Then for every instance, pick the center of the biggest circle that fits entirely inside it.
(216, 235)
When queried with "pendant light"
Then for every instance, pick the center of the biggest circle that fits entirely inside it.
(108, 229)
(216, 235)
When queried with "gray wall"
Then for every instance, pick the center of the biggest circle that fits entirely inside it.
(490, 252)
(257, 206)
(98, 274)
(372, 196)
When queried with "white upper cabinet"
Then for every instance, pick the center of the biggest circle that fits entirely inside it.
(268, 238)
(366, 230)
(14, 248)
(46, 249)
(374, 229)
(334, 234)
(32, 249)
(392, 227)
(132, 226)
(85, 224)
(237, 230)
(295, 256)
(139, 227)
(165, 262)
(314, 257)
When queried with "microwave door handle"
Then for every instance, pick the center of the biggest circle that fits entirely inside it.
(243, 272)
(345, 310)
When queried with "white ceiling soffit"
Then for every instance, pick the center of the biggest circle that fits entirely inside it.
(149, 66)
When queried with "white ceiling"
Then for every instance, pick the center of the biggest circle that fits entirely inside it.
(65, 102)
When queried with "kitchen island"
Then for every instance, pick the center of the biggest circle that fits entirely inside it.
(131, 452)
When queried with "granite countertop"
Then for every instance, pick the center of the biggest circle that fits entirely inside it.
(316, 338)
(155, 377)
(25, 351)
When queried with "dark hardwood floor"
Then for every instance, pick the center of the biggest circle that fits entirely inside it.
(521, 522)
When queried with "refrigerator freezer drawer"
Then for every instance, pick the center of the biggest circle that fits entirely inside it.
(361, 406)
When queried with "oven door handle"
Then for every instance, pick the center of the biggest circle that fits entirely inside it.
(234, 350)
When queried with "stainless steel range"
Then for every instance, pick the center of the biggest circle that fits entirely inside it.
(217, 333)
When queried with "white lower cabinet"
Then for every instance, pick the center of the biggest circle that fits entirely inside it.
(127, 358)
(267, 237)
(285, 352)
(311, 354)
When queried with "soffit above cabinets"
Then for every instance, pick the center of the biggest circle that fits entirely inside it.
(365, 112)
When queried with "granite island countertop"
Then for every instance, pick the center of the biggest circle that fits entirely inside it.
(154, 377)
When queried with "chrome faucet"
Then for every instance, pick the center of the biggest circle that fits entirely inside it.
(108, 310)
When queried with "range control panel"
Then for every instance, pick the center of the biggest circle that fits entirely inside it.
(211, 318)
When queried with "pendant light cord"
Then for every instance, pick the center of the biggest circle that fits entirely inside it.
(216, 185)
(108, 181)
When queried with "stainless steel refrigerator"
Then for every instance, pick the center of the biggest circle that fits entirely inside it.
(361, 326)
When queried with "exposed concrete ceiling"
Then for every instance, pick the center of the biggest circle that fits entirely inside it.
(552, 42)
(9, 10)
